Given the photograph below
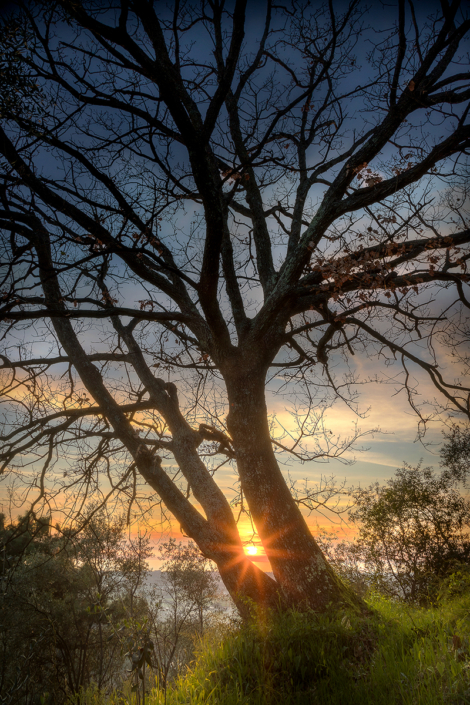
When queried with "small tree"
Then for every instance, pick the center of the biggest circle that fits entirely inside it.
(412, 530)
(190, 578)
(179, 608)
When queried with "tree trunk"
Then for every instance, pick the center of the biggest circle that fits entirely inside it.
(217, 535)
(248, 586)
(299, 566)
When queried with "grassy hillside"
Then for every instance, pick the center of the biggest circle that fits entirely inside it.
(398, 655)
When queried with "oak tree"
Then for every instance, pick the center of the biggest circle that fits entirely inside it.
(202, 199)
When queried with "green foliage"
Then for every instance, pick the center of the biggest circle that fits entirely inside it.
(457, 583)
(455, 454)
(62, 590)
(293, 654)
(412, 531)
(394, 656)
(75, 620)
(190, 577)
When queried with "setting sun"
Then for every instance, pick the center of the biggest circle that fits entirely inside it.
(251, 550)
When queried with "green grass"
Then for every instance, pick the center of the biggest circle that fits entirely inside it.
(397, 655)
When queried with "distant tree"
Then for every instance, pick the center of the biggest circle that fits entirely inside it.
(22, 537)
(347, 558)
(197, 202)
(181, 608)
(190, 578)
(413, 531)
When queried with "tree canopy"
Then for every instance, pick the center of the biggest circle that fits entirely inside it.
(201, 200)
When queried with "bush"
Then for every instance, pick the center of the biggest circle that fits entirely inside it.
(457, 583)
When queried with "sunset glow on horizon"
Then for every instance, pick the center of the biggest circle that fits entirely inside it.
(251, 550)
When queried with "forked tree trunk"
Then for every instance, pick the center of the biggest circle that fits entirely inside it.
(298, 564)
(217, 535)
(304, 577)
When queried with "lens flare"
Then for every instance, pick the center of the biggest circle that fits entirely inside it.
(251, 550)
